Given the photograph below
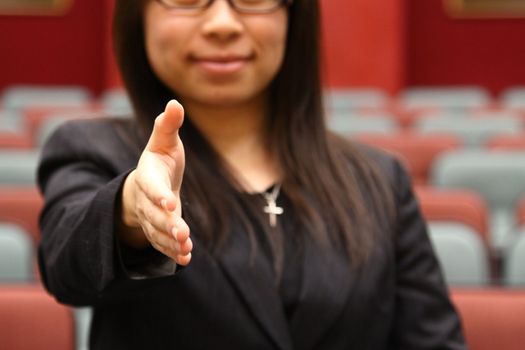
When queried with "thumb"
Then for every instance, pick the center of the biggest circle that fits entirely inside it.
(164, 137)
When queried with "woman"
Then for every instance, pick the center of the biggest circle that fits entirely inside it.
(247, 226)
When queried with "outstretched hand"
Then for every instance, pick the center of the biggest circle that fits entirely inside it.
(151, 195)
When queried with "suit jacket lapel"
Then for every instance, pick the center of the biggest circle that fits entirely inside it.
(254, 279)
(326, 282)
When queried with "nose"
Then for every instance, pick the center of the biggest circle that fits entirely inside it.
(222, 21)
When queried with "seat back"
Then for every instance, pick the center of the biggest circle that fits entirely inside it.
(513, 98)
(461, 253)
(24, 96)
(493, 319)
(457, 97)
(453, 205)
(116, 102)
(507, 142)
(474, 131)
(496, 175)
(82, 316)
(30, 319)
(351, 124)
(514, 263)
(16, 254)
(349, 99)
(42, 121)
(21, 206)
(18, 167)
(416, 151)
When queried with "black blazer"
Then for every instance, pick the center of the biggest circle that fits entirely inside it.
(398, 300)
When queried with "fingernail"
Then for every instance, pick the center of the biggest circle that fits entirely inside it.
(164, 203)
(174, 232)
(177, 246)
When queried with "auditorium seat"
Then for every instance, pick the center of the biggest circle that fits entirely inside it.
(13, 131)
(30, 319)
(11, 121)
(116, 102)
(452, 97)
(351, 124)
(462, 255)
(494, 113)
(355, 98)
(416, 151)
(15, 140)
(82, 316)
(507, 142)
(473, 131)
(21, 205)
(20, 97)
(39, 116)
(16, 255)
(18, 167)
(513, 98)
(520, 211)
(47, 128)
(514, 262)
(454, 205)
(496, 175)
(493, 319)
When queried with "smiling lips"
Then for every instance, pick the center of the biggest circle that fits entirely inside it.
(220, 65)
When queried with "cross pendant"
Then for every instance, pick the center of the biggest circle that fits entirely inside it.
(273, 210)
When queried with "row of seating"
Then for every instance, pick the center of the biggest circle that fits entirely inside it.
(492, 319)
(467, 133)
(472, 131)
(458, 225)
(496, 175)
(31, 128)
(414, 98)
(419, 150)
(449, 97)
(25, 110)
(22, 97)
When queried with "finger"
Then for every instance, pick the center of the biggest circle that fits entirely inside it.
(165, 243)
(183, 259)
(154, 191)
(158, 216)
(181, 231)
(164, 137)
(184, 248)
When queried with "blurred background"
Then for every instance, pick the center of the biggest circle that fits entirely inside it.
(438, 83)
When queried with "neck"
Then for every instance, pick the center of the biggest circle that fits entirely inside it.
(238, 135)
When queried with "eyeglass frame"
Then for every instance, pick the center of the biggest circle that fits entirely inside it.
(230, 2)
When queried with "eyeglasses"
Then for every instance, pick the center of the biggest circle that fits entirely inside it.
(242, 6)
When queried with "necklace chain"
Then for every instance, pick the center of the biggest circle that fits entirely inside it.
(271, 208)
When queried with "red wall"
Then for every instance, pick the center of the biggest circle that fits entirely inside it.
(446, 51)
(388, 44)
(55, 50)
(112, 76)
(364, 43)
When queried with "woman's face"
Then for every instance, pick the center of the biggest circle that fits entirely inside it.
(216, 57)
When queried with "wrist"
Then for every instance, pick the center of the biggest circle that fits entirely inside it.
(128, 216)
(129, 230)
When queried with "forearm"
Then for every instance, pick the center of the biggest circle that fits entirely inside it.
(77, 251)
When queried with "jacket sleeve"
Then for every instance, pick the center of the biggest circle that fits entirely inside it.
(81, 262)
(424, 317)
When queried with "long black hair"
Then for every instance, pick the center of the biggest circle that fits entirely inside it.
(340, 198)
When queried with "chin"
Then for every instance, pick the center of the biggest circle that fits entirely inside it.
(227, 98)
